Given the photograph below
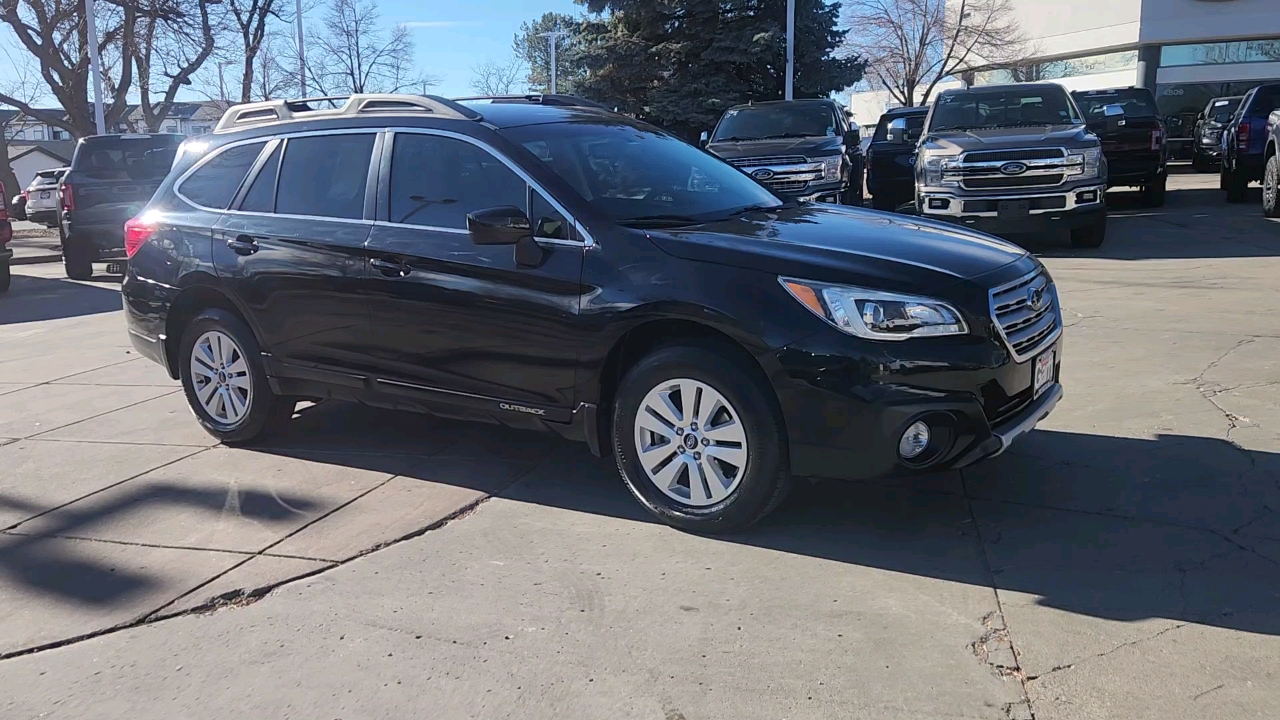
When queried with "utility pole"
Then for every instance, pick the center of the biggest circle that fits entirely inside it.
(552, 38)
(302, 53)
(791, 49)
(95, 67)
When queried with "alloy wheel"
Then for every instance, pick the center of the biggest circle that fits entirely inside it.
(691, 442)
(220, 376)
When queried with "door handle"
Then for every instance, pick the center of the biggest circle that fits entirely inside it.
(390, 268)
(244, 244)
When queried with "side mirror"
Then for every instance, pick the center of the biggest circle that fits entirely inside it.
(897, 131)
(704, 139)
(1114, 116)
(852, 139)
(506, 225)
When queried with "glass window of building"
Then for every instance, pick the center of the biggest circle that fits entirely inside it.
(1059, 69)
(1223, 53)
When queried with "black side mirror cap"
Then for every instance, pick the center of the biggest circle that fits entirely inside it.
(504, 225)
(704, 139)
(852, 138)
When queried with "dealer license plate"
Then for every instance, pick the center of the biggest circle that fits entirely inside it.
(1043, 372)
(1013, 208)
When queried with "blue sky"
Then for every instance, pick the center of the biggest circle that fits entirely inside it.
(453, 37)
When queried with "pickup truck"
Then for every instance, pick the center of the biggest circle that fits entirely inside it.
(891, 156)
(1134, 145)
(1244, 141)
(1271, 168)
(111, 178)
(801, 149)
(1013, 159)
(1206, 150)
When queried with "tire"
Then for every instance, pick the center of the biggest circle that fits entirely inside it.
(1153, 192)
(77, 259)
(757, 484)
(259, 411)
(6, 277)
(1271, 188)
(1235, 185)
(883, 202)
(852, 197)
(1090, 236)
(1197, 162)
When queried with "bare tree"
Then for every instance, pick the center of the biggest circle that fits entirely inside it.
(168, 52)
(494, 77)
(354, 53)
(912, 45)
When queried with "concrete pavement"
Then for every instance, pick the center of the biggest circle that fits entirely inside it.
(1122, 561)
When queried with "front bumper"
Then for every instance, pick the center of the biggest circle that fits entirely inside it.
(106, 238)
(1061, 208)
(43, 216)
(828, 192)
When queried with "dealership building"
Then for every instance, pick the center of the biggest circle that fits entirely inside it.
(1186, 51)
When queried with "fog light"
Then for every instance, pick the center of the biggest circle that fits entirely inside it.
(1088, 196)
(939, 203)
(914, 440)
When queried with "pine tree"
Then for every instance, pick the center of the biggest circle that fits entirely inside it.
(531, 46)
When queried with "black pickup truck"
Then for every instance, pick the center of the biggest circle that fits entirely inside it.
(891, 157)
(111, 178)
(1271, 168)
(1134, 145)
(803, 149)
(1244, 141)
(1206, 138)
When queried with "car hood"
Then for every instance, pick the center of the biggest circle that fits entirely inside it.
(829, 243)
(1002, 138)
(809, 146)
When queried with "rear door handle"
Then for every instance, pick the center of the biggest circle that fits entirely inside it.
(390, 268)
(244, 244)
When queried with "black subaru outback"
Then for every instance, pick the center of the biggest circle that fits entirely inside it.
(566, 268)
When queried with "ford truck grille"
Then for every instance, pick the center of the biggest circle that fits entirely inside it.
(754, 162)
(1026, 328)
(1011, 155)
(1001, 183)
(782, 173)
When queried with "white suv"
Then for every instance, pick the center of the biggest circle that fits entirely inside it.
(42, 197)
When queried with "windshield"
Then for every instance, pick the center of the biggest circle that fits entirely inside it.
(117, 157)
(1225, 105)
(777, 121)
(633, 174)
(1014, 107)
(1136, 103)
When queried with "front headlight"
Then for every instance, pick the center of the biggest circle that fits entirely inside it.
(1084, 164)
(933, 167)
(831, 168)
(875, 314)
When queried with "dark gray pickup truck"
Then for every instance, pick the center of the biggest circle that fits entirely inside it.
(1013, 159)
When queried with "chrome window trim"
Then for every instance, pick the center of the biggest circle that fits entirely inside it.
(587, 241)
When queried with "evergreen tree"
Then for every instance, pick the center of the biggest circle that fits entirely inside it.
(531, 46)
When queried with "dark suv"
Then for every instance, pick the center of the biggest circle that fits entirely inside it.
(111, 178)
(1244, 141)
(569, 269)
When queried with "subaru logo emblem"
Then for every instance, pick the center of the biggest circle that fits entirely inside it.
(1035, 297)
(762, 174)
(1013, 168)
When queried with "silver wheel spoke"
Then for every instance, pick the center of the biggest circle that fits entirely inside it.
(716, 480)
(241, 382)
(236, 402)
(666, 408)
(666, 477)
(239, 367)
(736, 457)
(728, 432)
(648, 422)
(205, 394)
(675, 440)
(698, 485)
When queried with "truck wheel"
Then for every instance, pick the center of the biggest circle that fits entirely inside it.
(1235, 184)
(883, 202)
(699, 439)
(77, 259)
(852, 197)
(1271, 188)
(1090, 236)
(5, 277)
(1153, 191)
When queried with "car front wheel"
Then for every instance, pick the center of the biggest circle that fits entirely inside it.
(699, 440)
(1271, 188)
(225, 382)
(1235, 184)
(1091, 235)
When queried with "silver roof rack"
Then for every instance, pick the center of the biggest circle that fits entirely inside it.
(273, 111)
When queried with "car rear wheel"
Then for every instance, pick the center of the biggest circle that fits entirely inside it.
(6, 277)
(1153, 191)
(1235, 184)
(699, 440)
(1090, 236)
(883, 202)
(225, 382)
(1271, 188)
(77, 259)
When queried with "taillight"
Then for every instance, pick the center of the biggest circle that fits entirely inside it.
(1242, 136)
(136, 232)
(1157, 137)
(68, 197)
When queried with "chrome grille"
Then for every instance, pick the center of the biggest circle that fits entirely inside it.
(1025, 329)
(1011, 155)
(759, 161)
(787, 185)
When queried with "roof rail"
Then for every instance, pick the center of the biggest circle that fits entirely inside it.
(535, 99)
(273, 111)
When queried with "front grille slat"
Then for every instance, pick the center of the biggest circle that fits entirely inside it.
(769, 160)
(1011, 155)
(1025, 329)
(787, 185)
(1014, 181)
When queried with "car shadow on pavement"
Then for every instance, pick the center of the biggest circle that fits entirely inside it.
(32, 299)
(54, 568)
(1176, 527)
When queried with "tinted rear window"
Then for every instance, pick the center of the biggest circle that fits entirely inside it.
(119, 157)
(325, 176)
(214, 184)
(1136, 103)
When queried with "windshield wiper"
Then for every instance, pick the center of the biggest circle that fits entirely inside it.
(659, 221)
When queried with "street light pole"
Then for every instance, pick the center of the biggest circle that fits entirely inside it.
(95, 67)
(791, 49)
(552, 38)
(302, 52)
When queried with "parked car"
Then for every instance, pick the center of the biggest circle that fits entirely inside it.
(1207, 136)
(1244, 141)
(1134, 145)
(110, 179)
(18, 207)
(1013, 159)
(1271, 173)
(804, 149)
(572, 270)
(6, 235)
(42, 197)
(891, 157)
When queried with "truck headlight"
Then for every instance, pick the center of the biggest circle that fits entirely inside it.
(1084, 164)
(875, 314)
(831, 168)
(933, 169)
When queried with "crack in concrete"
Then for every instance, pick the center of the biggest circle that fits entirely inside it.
(1121, 646)
(1206, 692)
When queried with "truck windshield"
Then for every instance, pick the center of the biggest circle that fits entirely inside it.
(1011, 107)
(1136, 103)
(776, 121)
(124, 157)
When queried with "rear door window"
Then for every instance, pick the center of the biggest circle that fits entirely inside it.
(436, 181)
(124, 157)
(214, 184)
(262, 193)
(325, 176)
